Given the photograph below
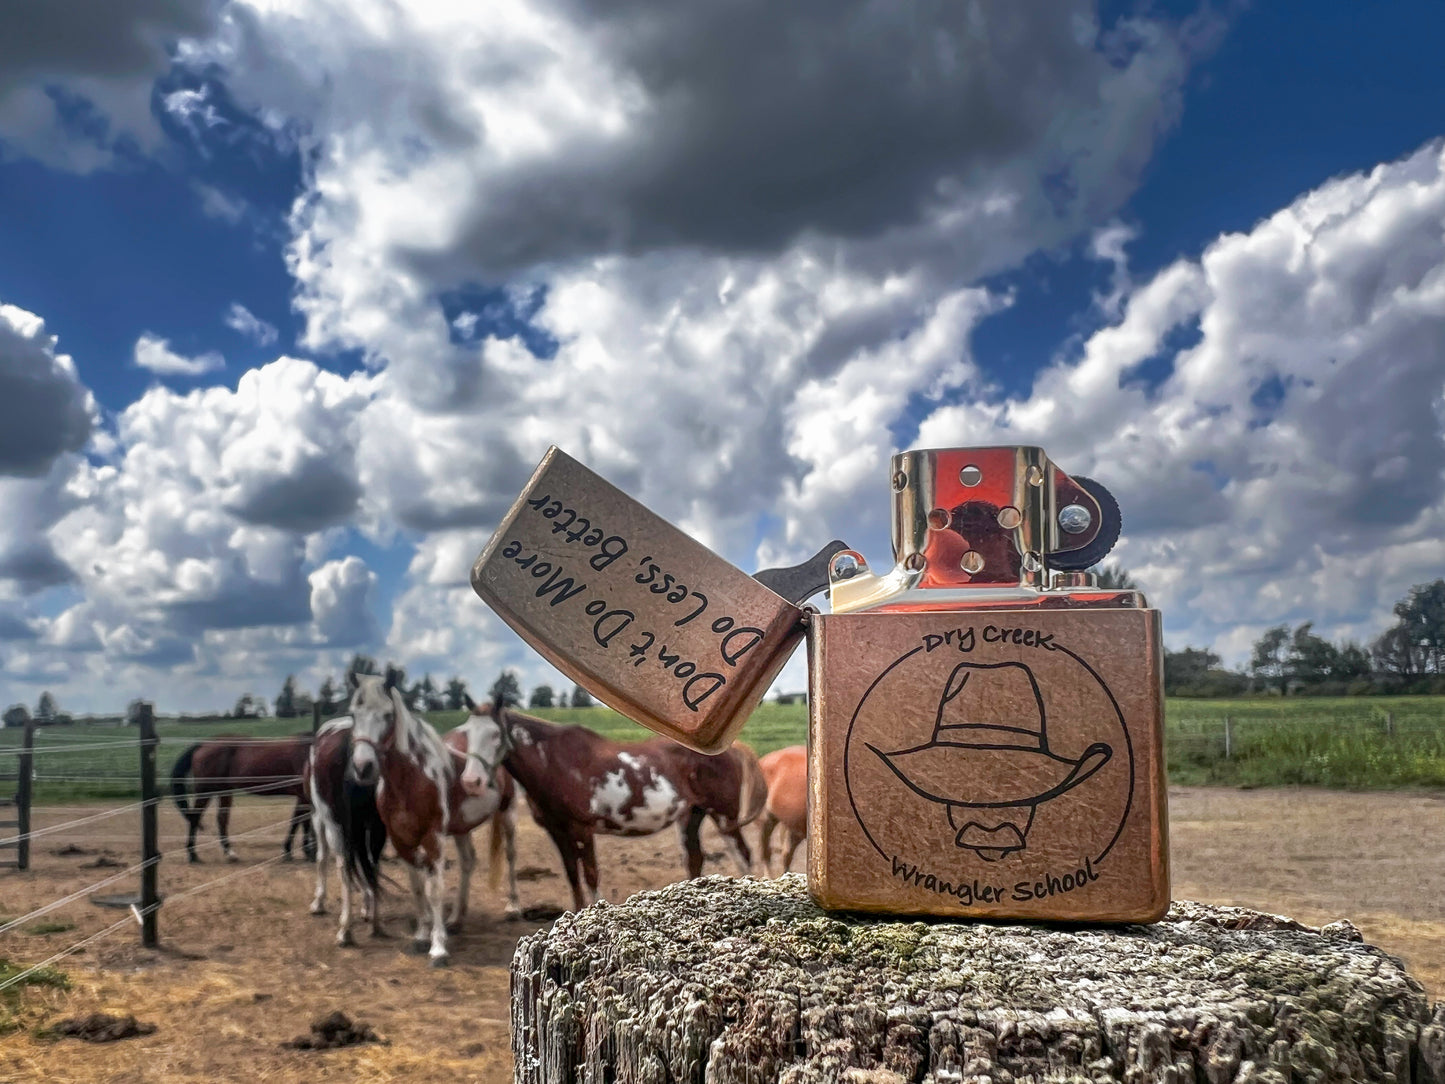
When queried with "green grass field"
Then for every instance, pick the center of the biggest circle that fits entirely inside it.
(1345, 742)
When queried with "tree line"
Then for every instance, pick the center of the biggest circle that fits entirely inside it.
(424, 695)
(1408, 657)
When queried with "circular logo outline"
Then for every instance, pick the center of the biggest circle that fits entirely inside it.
(1114, 703)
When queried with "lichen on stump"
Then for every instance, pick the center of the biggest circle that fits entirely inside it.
(722, 981)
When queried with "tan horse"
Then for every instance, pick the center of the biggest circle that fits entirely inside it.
(786, 772)
(579, 783)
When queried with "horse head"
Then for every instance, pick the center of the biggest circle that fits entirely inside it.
(489, 742)
(376, 707)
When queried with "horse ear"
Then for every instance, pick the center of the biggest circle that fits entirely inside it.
(351, 681)
(468, 701)
(392, 674)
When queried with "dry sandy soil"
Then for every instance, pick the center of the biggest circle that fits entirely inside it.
(244, 967)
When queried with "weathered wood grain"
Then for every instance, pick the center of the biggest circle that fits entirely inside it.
(722, 981)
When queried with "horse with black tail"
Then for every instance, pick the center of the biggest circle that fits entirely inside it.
(420, 800)
(225, 765)
(347, 826)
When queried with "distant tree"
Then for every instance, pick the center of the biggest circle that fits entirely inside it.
(248, 707)
(1416, 644)
(542, 697)
(581, 698)
(362, 664)
(329, 697)
(286, 707)
(506, 691)
(1113, 577)
(47, 709)
(456, 696)
(1393, 655)
(1311, 659)
(1268, 662)
(1352, 662)
(1187, 668)
(17, 715)
(425, 696)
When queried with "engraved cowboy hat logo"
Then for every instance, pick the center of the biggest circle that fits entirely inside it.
(991, 775)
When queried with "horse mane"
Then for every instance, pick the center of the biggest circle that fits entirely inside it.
(418, 739)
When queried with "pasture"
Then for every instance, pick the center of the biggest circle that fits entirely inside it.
(242, 966)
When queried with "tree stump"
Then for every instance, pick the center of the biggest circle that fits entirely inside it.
(728, 981)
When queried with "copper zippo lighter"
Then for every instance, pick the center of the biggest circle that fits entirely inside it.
(985, 723)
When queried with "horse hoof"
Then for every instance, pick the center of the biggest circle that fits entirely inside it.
(231, 857)
(440, 961)
(345, 940)
(512, 914)
(420, 948)
(193, 860)
(286, 856)
(318, 908)
(454, 927)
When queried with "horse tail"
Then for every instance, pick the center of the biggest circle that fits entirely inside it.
(363, 834)
(178, 785)
(753, 794)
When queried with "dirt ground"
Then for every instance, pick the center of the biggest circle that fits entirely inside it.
(244, 968)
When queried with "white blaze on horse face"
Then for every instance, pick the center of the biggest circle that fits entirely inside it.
(372, 714)
(484, 741)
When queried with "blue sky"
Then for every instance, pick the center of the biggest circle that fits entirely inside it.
(467, 266)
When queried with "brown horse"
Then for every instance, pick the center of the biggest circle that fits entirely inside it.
(226, 764)
(579, 783)
(786, 771)
(421, 800)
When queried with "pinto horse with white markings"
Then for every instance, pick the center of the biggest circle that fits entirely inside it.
(420, 799)
(579, 783)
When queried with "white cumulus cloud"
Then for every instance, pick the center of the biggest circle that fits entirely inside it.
(242, 320)
(155, 354)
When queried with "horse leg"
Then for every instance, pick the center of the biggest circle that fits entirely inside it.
(793, 841)
(690, 830)
(567, 848)
(291, 831)
(436, 891)
(343, 932)
(318, 901)
(309, 837)
(466, 862)
(765, 844)
(223, 822)
(737, 846)
(588, 852)
(509, 838)
(421, 932)
(198, 809)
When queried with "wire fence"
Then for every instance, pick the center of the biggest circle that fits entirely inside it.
(127, 763)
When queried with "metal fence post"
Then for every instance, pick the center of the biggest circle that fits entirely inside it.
(1390, 724)
(1228, 739)
(22, 796)
(149, 845)
(315, 717)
